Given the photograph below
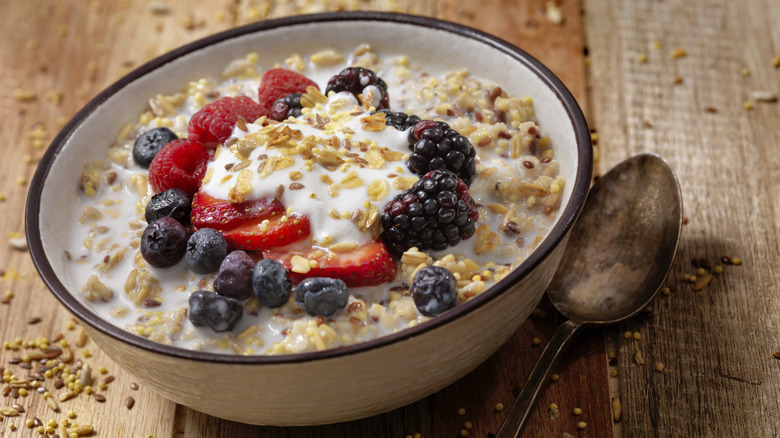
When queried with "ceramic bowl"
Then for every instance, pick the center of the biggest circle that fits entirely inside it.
(344, 383)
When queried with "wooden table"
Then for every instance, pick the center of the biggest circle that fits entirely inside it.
(692, 81)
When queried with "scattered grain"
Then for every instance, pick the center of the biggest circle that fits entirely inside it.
(617, 409)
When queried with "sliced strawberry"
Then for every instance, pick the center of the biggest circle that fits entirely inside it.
(367, 265)
(257, 235)
(209, 212)
(243, 224)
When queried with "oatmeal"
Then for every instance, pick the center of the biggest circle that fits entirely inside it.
(377, 195)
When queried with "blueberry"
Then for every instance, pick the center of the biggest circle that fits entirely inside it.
(434, 290)
(174, 202)
(163, 242)
(234, 278)
(271, 283)
(206, 249)
(321, 296)
(207, 309)
(149, 143)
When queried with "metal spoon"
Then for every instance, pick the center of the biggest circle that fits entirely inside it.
(619, 252)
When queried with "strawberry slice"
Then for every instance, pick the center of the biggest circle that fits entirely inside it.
(273, 232)
(244, 225)
(210, 212)
(367, 265)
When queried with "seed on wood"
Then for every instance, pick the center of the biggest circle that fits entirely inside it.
(34, 320)
(129, 402)
(109, 379)
(100, 398)
(617, 409)
(18, 407)
(133, 386)
(8, 412)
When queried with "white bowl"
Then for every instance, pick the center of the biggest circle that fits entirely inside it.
(344, 383)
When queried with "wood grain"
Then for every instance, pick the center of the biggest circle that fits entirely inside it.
(56, 55)
(716, 345)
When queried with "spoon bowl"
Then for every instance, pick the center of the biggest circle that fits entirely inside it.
(618, 255)
(622, 244)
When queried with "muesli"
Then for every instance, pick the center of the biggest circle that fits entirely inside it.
(325, 200)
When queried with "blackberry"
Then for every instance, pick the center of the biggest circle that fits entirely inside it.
(206, 249)
(234, 278)
(173, 202)
(434, 290)
(271, 283)
(356, 80)
(207, 309)
(286, 107)
(320, 296)
(400, 121)
(435, 213)
(149, 143)
(435, 146)
(163, 242)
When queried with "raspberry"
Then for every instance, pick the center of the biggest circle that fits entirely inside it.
(436, 212)
(214, 122)
(358, 80)
(435, 145)
(181, 163)
(278, 83)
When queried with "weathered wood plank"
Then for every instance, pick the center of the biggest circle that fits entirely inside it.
(716, 345)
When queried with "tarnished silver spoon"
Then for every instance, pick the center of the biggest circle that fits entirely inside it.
(618, 255)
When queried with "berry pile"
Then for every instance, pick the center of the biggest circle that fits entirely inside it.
(435, 146)
(225, 238)
(435, 213)
(360, 81)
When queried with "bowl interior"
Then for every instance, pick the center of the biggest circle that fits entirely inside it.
(434, 45)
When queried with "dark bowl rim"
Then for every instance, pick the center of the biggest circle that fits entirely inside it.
(554, 238)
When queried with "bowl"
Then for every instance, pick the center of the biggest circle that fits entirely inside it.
(344, 383)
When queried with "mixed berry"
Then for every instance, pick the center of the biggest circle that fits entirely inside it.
(244, 243)
(435, 213)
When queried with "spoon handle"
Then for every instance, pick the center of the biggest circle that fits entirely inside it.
(518, 413)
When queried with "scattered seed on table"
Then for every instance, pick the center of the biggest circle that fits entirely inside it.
(577, 411)
(34, 320)
(582, 425)
(617, 409)
(499, 407)
(129, 402)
